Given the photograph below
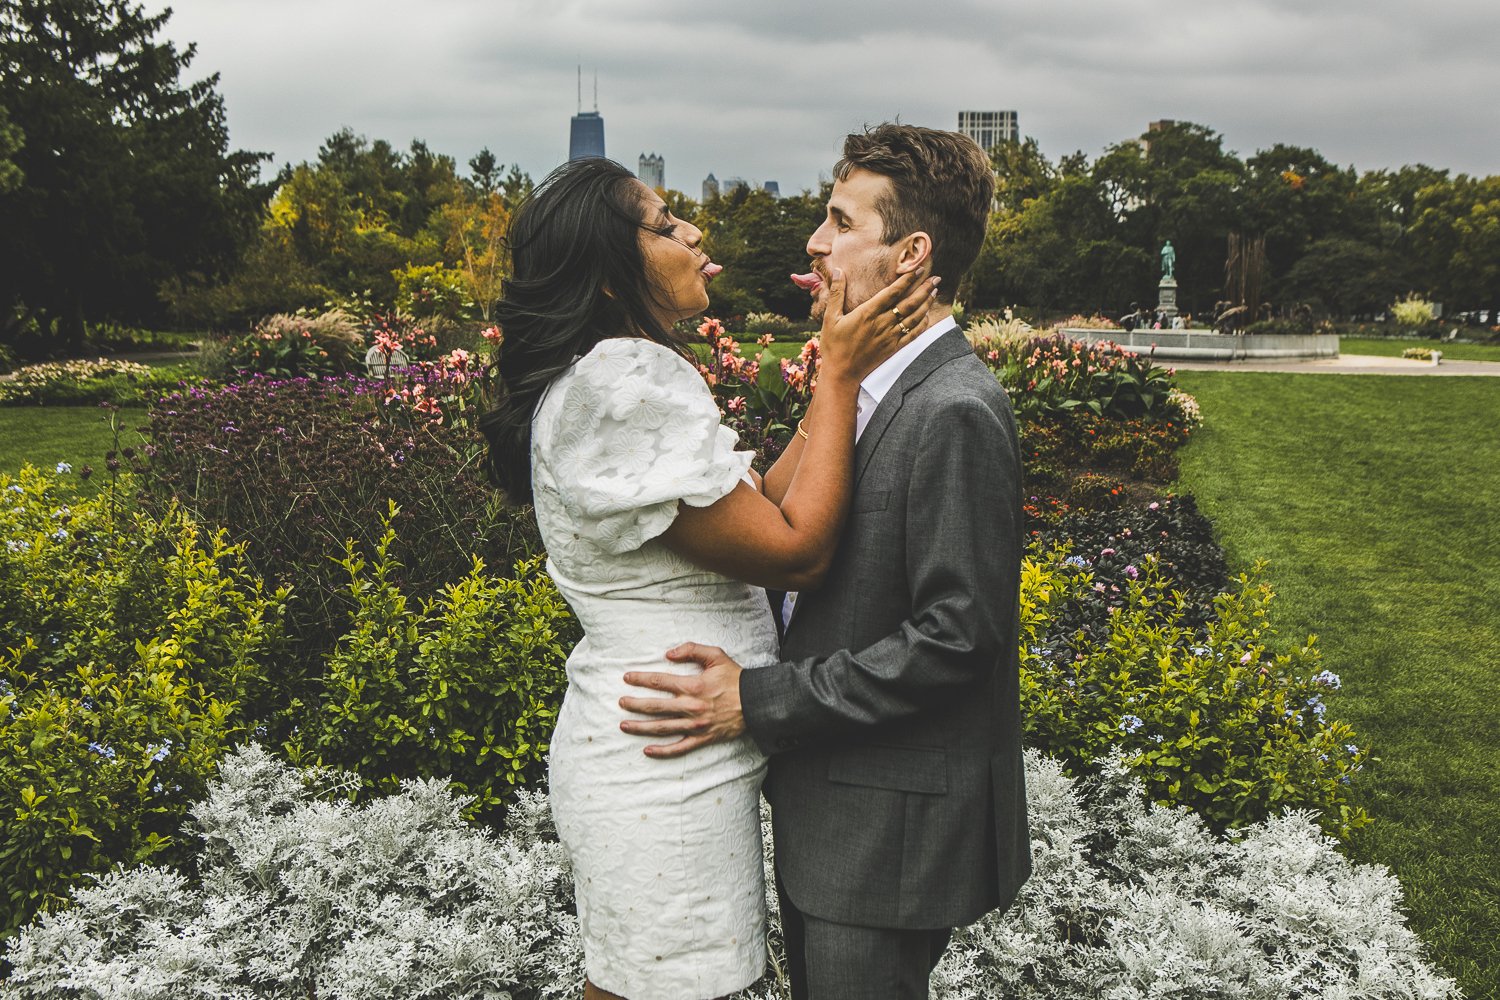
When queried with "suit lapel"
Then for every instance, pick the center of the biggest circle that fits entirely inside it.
(950, 345)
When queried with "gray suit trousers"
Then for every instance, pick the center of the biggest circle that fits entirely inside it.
(832, 961)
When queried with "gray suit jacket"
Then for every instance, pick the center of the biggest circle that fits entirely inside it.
(893, 727)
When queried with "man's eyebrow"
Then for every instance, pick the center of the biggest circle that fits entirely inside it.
(838, 213)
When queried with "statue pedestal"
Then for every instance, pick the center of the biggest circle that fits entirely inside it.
(1166, 302)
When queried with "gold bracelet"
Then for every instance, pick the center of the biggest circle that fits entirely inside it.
(802, 429)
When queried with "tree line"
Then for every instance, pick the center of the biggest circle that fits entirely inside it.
(121, 200)
(1083, 235)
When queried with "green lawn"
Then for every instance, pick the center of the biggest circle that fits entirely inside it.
(1377, 502)
(46, 435)
(1393, 348)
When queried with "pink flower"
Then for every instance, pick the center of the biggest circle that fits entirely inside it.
(1153, 506)
(1246, 658)
(736, 405)
(458, 359)
(493, 335)
(764, 340)
(711, 328)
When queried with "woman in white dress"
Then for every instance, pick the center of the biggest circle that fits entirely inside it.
(608, 427)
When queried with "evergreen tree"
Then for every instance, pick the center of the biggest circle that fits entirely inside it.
(127, 179)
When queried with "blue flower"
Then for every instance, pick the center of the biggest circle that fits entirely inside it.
(15, 545)
(63, 467)
(163, 752)
(1078, 561)
(103, 749)
(60, 535)
(1328, 679)
(15, 488)
(1351, 748)
(1130, 723)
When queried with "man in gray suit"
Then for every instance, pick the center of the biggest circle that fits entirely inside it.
(892, 724)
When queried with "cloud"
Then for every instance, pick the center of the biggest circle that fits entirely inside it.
(766, 90)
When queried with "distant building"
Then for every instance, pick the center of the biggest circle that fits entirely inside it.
(990, 128)
(771, 188)
(652, 171)
(730, 185)
(587, 138)
(710, 187)
(1160, 125)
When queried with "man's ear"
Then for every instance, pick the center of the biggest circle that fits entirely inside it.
(916, 252)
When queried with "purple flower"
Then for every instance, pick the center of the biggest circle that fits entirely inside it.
(1132, 572)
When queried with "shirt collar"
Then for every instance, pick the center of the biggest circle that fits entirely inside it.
(879, 381)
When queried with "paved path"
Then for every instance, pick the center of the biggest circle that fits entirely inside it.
(1344, 364)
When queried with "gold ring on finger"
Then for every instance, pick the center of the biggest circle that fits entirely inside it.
(895, 312)
(903, 329)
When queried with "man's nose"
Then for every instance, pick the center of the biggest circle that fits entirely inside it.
(817, 243)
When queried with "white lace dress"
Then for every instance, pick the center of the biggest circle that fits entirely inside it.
(666, 854)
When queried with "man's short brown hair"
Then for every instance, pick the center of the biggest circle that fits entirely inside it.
(942, 184)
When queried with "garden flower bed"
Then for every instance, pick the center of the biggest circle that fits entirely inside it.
(1186, 814)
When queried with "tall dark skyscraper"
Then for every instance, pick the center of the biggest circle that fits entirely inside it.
(587, 135)
(587, 138)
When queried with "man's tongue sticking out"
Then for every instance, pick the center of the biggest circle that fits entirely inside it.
(809, 282)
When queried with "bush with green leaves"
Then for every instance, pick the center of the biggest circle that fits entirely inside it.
(429, 290)
(295, 467)
(305, 894)
(1206, 714)
(465, 684)
(83, 383)
(130, 644)
(1053, 376)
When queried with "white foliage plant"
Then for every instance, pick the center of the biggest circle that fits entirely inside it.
(304, 894)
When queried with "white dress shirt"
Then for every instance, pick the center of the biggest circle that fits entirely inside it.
(871, 391)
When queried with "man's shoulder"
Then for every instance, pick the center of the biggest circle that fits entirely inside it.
(962, 381)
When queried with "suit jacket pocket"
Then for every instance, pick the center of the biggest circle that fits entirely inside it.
(899, 769)
(871, 500)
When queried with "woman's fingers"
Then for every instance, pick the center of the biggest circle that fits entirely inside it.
(834, 311)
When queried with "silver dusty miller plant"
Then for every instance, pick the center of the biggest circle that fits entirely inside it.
(305, 895)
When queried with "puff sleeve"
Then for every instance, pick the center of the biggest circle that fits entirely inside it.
(638, 431)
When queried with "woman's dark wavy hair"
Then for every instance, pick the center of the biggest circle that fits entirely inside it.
(577, 277)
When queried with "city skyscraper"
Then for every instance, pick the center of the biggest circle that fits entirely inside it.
(587, 135)
(652, 171)
(990, 128)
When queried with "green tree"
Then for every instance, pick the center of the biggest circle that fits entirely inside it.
(1061, 251)
(127, 179)
(1022, 173)
(1344, 276)
(759, 240)
(485, 170)
(10, 144)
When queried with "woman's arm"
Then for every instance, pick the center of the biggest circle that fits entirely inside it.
(787, 544)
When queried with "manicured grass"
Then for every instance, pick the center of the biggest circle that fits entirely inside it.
(1376, 501)
(46, 435)
(1392, 348)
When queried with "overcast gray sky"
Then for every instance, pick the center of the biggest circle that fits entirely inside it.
(765, 89)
